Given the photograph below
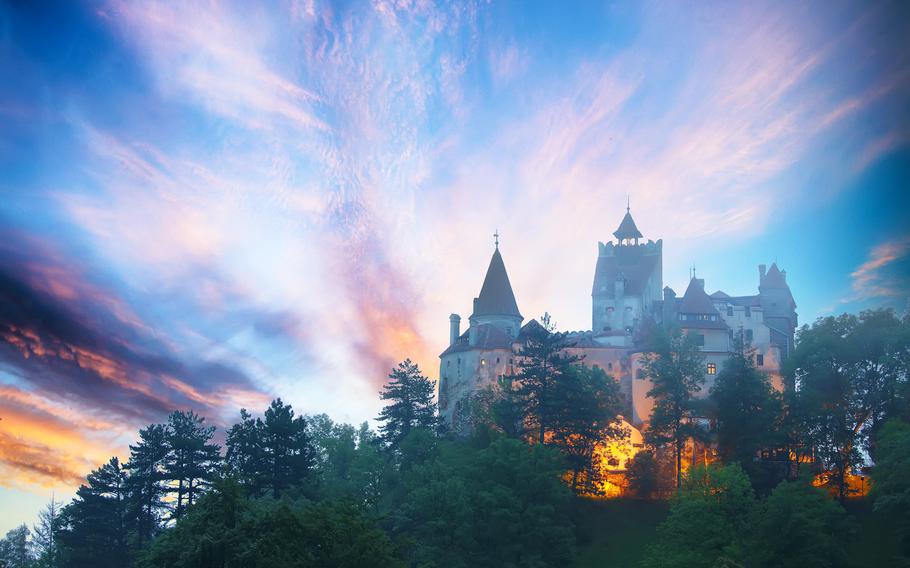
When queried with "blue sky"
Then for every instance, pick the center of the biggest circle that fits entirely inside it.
(209, 204)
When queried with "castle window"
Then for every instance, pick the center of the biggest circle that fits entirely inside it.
(712, 369)
(748, 312)
(760, 360)
(683, 317)
(729, 311)
(749, 335)
(700, 340)
(713, 318)
(483, 361)
(610, 366)
(497, 360)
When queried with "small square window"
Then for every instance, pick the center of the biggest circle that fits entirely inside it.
(483, 361)
(712, 369)
(760, 360)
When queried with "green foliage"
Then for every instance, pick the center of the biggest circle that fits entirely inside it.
(349, 461)
(16, 549)
(891, 475)
(93, 527)
(543, 365)
(228, 530)
(270, 454)
(674, 366)
(849, 376)
(798, 526)
(146, 482)
(643, 474)
(411, 404)
(192, 458)
(588, 404)
(503, 505)
(747, 410)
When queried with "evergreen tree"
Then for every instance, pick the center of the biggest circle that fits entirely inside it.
(747, 408)
(146, 482)
(244, 458)
(94, 525)
(16, 549)
(587, 405)
(674, 366)
(192, 458)
(47, 548)
(411, 405)
(542, 362)
(286, 450)
(643, 474)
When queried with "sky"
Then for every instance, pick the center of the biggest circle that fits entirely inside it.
(205, 205)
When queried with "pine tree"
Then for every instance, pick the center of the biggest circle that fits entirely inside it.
(287, 452)
(16, 549)
(542, 363)
(747, 408)
(411, 404)
(146, 483)
(674, 366)
(243, 457)
(192, 458)
(45, 535)
(94, 525)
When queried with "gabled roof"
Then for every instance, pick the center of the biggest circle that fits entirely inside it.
(627, 228)
(496, 297)
(696, 300)
(489, 337)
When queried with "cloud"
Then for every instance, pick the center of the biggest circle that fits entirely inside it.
(886, 272)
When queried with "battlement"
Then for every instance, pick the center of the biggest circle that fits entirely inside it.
(650, 248)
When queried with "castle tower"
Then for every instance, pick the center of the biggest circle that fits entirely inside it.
(627, 279)
(778, 306)
(496, 303)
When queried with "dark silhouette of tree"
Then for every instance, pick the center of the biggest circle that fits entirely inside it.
(47, 549)
(643, 474)
(146, 482)
(542, 362)
(410, 404)
(192, 458)
(746, 409)
(94, 525)
(891, 474)
(674, 366)
(270, 454)
(587, 405)
(16, 549)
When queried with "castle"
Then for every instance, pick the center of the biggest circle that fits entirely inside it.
(627, 292)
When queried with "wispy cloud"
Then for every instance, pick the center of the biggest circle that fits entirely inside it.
(886, 273)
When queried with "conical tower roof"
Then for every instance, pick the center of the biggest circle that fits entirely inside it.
(627, 228)
(496, 297)
(696, 300)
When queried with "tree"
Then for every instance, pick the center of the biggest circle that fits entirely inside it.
(271, 454)
(192, 458)
(47, 548)
(16, 549)
(542, 362)
(94, 525)
(229, 530)
(708, 520)
(674, 365)
(643, 474)
(411, 404)
(798, 526)
(146, 483)
(587, 404)
(891, 475)
(747, 409)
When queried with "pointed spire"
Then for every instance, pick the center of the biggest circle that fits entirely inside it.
(496, 297)
(627, 228)
(696, 300)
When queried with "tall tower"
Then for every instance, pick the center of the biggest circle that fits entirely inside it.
(627, 279)
(778, 306)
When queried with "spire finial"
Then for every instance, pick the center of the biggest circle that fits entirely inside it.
(628, 203)
(496, 239)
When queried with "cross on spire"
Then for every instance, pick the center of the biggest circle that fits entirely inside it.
(496, 239)
(628, 203)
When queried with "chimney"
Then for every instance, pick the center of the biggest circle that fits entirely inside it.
(761, 272)
(454, 328)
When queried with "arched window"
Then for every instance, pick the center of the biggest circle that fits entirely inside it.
(712, 369)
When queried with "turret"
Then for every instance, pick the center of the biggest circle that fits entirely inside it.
(496, 303)
(778, 306)
(454, 328)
